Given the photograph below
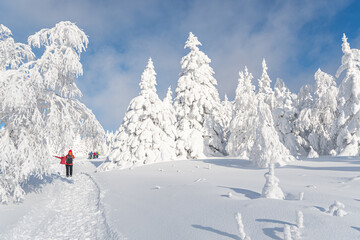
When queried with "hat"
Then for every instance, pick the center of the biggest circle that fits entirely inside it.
(70, 151)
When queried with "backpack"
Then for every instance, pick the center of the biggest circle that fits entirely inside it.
(69, 159)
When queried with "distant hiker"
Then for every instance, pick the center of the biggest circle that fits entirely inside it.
(69, 164)
(94, 155)
(97, 154)
(90, 155)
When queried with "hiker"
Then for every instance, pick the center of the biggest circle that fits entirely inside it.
(90, 155)
(94, 155)
(69, 163)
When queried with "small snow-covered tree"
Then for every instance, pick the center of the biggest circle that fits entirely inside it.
(284, 116)
(337, 209)
(348, 121)
(267, 148)
(66, 118)
(197, 105)
(243, 235)
(271, 188)
(242, 129)
(148, 133)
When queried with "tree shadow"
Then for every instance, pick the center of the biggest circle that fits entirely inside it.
(273, 221)
(270, 232)
(321, 209)
(247, 193)
(345, 169)
(96, 163)
(219, 232)
(231, 163)
(35, 185)
(356, 228)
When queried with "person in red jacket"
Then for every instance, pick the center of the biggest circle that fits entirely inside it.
(69, 164)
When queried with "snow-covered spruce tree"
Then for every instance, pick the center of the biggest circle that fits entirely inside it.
(227, 113)
(267, 148)
(147, 134)
(22, 144)
(284, 116)
(242, 128)
(265, 88)
(66, 118)
(321, 119)
(303, 124)
(197, 105)
(348, 121)
(271, 188)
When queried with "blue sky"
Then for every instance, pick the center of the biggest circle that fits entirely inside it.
(295, 37)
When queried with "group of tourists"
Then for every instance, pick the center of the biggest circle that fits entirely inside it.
(93, 155)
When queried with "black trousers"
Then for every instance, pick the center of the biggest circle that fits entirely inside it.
(69, 171)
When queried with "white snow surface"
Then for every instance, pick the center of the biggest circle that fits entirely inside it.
(168, 201)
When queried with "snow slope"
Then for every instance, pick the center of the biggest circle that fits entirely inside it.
(190, 199)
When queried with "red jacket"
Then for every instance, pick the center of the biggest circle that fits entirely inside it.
(62, 159)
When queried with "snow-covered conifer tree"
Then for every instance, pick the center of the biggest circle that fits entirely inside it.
(348, 122)
(265, 88)
(267, 148)
(22, 144)
(227, 113)
(271, 188)
(303, 124)
(242, 128)
(147, 134)
(66, 118)
(323, 114)
(284, 116)
(197, 105)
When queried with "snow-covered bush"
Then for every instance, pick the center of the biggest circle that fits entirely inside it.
(337, 209)
(197, 105)
(271, 188)
(312, 153)
(243, 235)
(148, 133)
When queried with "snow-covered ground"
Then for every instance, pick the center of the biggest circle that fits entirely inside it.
(190, 199)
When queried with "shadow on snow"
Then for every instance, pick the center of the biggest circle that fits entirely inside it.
(219, 232)
(36, 184)
(247, 193)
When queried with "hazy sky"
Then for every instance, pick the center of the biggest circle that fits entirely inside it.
(295, 37)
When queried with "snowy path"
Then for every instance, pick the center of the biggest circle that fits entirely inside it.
(73, 211)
